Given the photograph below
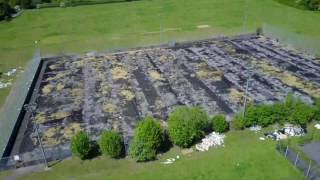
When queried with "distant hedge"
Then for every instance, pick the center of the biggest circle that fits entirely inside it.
(292, 110)
(313, 5)
(76, 3)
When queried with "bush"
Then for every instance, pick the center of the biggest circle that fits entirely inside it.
(142, 151)
(148, 138)
(317, 110)
(186, 125)
(302, 113)
(219, 123)
(111, 144)
(80, 145)
(292, 110)
(238, 122)
(313, 5)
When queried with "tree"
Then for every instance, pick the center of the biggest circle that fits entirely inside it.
(111, 144)
(219, 123)
(148, 137)
(81, 145)
(187, 124)
(5, 10)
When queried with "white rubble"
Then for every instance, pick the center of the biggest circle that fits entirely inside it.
(5, 85)
(288, 131)
(262, 138)
(211, 140)
(255, 128)
(317, 126)
(11, 72)
(170, 160)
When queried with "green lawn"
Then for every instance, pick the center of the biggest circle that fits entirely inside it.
(243, 157)
(131, 24)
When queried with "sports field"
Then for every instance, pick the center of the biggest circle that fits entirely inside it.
(131, 24)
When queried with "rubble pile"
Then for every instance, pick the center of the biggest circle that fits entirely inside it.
(255, 128)
(284, 133)
(212, 140)
(317, 126)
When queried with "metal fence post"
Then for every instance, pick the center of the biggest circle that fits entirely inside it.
(297, 158)
(308, 170)
(286, 151)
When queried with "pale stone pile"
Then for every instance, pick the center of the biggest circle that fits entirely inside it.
(288, 131)
(171, 160)
(255, 128)
(212, 140)
(317, 126)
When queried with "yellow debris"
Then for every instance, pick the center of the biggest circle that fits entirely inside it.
(47, 89)
(127, 94)
(155, 76)
(60, 86)
(109, 108)
(119, 73)
(40, 117)
(71, 130)
(60, 115)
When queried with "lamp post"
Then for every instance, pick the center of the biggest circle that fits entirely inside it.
(246, 90)
(32, 108)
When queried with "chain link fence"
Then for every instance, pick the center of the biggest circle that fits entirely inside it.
(310, 169)
(52, 156)
(12, 112)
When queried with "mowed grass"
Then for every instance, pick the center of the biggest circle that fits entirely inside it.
(243, 157)
(123, 25)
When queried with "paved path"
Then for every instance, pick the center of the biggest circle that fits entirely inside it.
(313, 151)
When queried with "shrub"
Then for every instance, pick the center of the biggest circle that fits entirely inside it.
(142, 151)
(302, 113)
(148, 138)
(313, 5)
(317, 110)
(219, 123)
(80, 145)
(238, 122)
(111, 144)
(186, 125)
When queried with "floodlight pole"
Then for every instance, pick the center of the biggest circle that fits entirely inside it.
(160, 28)
(245, 16)
(41, 147)
(31, 108)
(246, 91)
(245, 98)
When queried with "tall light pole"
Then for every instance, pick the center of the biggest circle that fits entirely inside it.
(32, 108)
(245, 15)
(246, 90)
(160, 28)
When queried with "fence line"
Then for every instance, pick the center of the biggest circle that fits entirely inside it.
(310, 169)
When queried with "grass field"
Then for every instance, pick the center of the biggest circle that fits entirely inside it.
(123, 25)
(243, 157)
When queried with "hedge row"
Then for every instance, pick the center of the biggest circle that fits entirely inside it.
(187, 125)
(292, 110)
